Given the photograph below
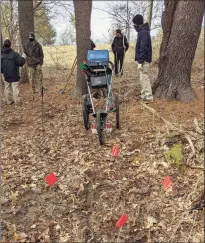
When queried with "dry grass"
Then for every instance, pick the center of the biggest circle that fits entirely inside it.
(62, 57)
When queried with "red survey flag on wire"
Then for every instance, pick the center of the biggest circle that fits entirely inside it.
(122, 220)
(167, 183)
(51, 179)
(115, 151)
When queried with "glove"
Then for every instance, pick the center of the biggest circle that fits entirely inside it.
(24, 55)
(140, 66)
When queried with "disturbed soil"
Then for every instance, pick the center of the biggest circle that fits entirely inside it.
(94, 189)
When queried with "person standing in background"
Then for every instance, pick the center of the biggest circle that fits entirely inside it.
(119, 46)
(92, 45)
(35, 56)
(10, 63)
(143, 56)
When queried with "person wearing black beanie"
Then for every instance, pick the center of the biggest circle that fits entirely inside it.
(35, 57)
(143, 56)
(119, 46)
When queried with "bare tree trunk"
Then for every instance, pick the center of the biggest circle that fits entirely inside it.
(12, 26)
(181, 24)
(128, 22)
(26, 25)
(1, 41)
(149, 16)
(82, 21)
(11, 32)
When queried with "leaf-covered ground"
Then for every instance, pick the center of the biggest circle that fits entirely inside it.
(94, 189)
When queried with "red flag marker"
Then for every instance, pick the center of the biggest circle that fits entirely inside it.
(167, 182)
(123, 219)
(115, 151)
(51, 179)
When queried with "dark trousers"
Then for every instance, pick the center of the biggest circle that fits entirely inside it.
(119, 58)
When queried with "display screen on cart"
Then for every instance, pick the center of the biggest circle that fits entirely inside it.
(98, 56)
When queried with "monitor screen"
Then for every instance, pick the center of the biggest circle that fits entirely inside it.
(95, 55)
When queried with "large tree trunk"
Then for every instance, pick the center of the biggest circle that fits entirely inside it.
(1, 41)
(26, 25)
(82, 21)
(181, 24)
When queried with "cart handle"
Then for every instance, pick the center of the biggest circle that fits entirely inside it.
(111, 65)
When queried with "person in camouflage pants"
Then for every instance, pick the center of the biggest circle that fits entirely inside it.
(35, 56)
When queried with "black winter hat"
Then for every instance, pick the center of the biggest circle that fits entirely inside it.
(118, 31)
(31, 35)
(138, 19)
(7, 43)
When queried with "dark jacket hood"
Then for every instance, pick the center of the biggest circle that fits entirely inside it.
(120, 36)
(145, 26)
(143, 45)
(6, 50)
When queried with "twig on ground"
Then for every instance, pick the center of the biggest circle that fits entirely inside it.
(194, 191)
(197, 128)
(153, 111)
(192, 228)
(192, 147)
(178, 226)
(196, 167)
(169, 124)
(118, 235)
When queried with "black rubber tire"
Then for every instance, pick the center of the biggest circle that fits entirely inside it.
(99, 124)
(116, 102)
(86, 119)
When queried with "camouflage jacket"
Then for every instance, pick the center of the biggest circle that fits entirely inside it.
(34, 52)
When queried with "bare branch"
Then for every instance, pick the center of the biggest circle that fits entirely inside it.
(37, 5)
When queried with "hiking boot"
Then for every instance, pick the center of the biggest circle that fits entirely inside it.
(10, 103)
(18, 102)
(147, 101)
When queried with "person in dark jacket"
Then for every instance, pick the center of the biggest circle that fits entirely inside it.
(35, 56)
(143, 56)
(92, 45)
(10, 63)
(119, 46)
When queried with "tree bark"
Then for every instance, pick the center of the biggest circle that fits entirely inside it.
(181, 24)
(26, 19)
(1, 40)
(26, 25)
(82, 21)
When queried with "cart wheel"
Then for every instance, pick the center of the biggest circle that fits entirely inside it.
(116, 102)
(86, 113)
(99, 123)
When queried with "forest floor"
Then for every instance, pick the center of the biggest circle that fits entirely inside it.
(94, 189)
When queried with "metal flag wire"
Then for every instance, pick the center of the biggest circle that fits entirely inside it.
(123, 60)
(121, 76)
(42, 108)
(117, 62)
